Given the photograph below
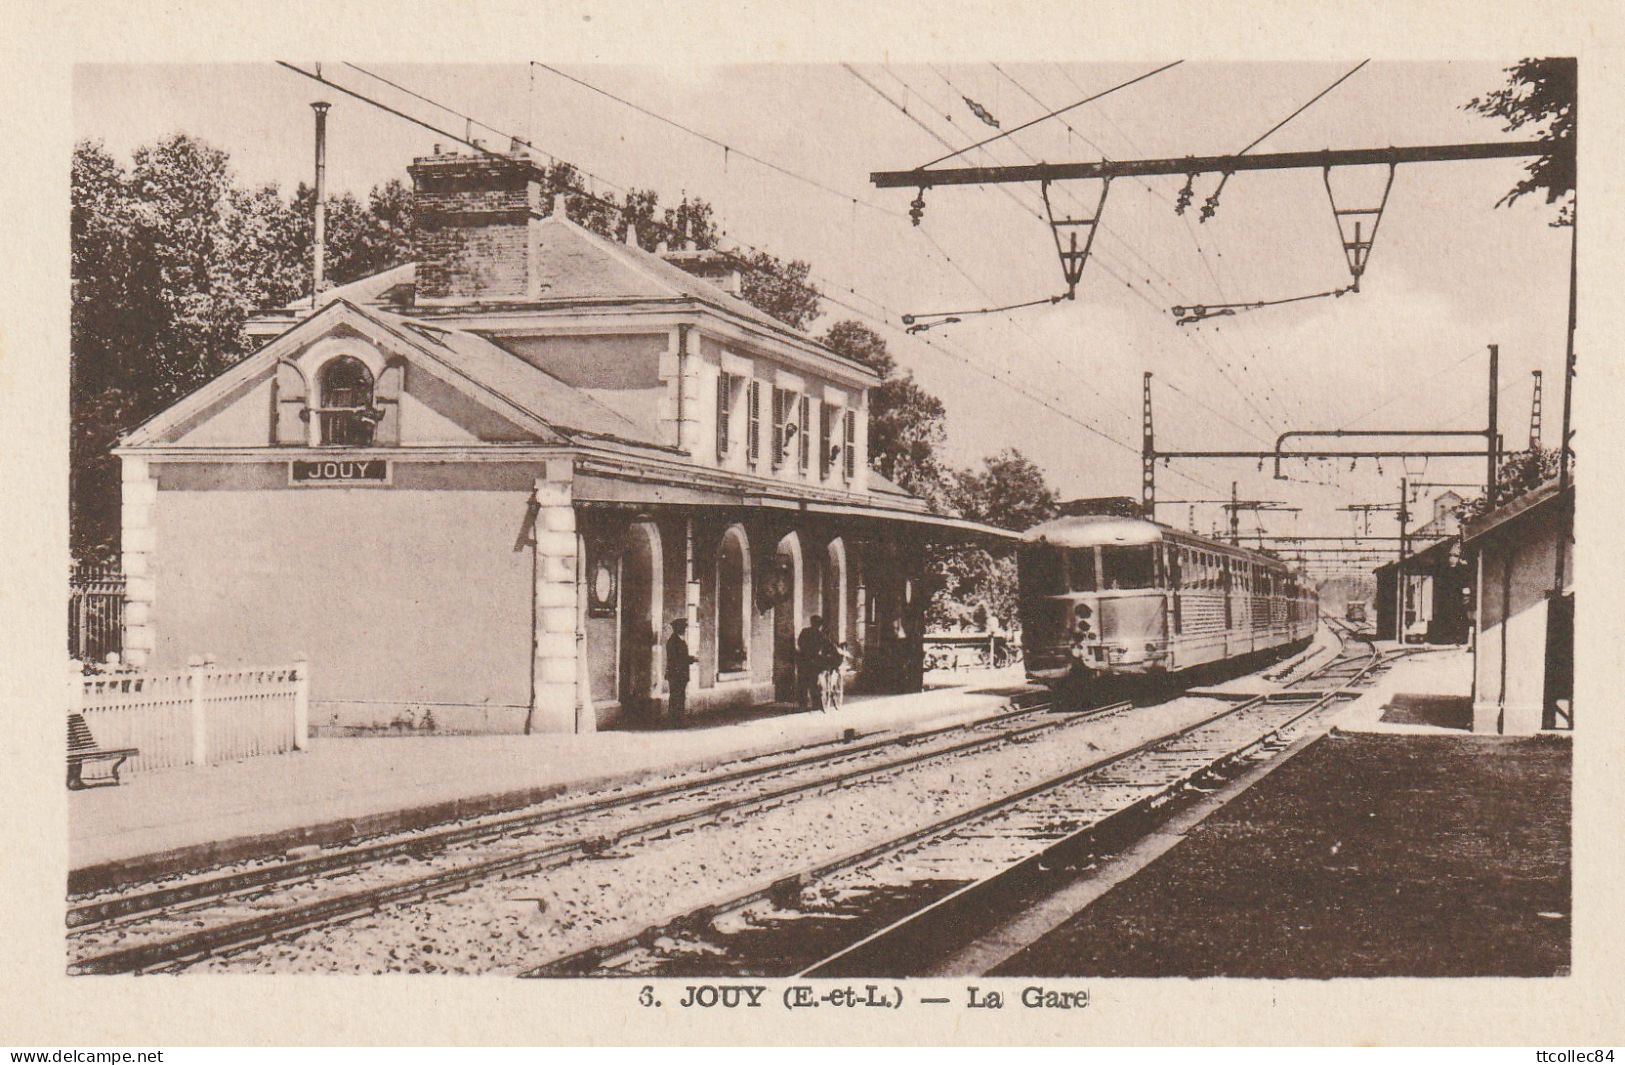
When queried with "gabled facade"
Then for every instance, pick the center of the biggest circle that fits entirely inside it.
(477, 489)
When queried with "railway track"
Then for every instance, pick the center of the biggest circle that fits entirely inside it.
(172, 925)
(884, 908)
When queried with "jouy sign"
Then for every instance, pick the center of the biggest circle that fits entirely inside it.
(328, 471)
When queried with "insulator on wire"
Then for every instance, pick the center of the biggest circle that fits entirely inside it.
(1185, 194)
(916, 208)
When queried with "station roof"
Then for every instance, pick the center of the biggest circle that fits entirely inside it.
(1538, 498)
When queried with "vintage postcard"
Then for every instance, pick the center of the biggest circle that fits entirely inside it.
(925, 528)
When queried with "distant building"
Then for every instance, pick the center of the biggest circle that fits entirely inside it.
(1523, 673)
(1437, 583)
(1445, 521)
(476, 490)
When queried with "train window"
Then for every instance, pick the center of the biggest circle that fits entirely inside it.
(1081, 569)
(1040, 572)
(1128, 567)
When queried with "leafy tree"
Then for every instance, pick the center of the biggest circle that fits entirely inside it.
(859, 343)
(1010, 491)
(907, 424)
(974, 585)
(1520, 472)
(1541, 93)
(169, 258)
(690, 220)
(780, 289)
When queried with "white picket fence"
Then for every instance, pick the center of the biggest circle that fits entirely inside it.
(203, 715)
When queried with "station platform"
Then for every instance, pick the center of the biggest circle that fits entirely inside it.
(342, 788)
(1395, 843)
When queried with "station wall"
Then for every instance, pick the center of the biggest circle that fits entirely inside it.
(410, 602)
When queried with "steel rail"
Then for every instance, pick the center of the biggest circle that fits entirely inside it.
(303, 916)
(97, 914)
(945, 918)
(576, 962)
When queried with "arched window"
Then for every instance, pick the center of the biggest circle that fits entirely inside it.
(345, 397)
(733, 602)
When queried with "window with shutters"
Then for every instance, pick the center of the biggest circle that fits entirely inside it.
(804, 426)
(344, 403)
(725, 387)
(849, 446)
(753, 422)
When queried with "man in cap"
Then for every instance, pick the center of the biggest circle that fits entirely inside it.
(677, 662)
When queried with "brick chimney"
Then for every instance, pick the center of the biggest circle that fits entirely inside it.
(476, 217)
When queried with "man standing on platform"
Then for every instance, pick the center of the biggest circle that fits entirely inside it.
(812, 659)
(677, 662)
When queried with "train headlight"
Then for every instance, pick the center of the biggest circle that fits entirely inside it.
(1082, 611)
(1150, 647)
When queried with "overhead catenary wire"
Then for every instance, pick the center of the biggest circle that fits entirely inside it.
(1213, 200)
(1058, 111)
(608, 204)
(738, 256)
(732, 150)
(1009, 193)
(1190, 230)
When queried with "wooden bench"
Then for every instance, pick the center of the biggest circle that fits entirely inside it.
(82, 748)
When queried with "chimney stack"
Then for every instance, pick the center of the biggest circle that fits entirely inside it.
(318, 254)
(476, 224)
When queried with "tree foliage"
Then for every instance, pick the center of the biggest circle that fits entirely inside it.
(970, 587)
(1542, 94)
(908, 426)
(1520, 472)
(171, 255)
(976, 586)
(169, 258)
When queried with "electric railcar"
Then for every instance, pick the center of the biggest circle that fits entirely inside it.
(1111, 593)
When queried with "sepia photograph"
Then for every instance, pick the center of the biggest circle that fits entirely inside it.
(553, 521)
(941, 539)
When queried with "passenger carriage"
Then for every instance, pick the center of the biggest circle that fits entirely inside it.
(1103, 591)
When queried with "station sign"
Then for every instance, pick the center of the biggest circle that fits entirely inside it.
(339, 471)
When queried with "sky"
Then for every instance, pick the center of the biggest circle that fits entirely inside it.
(1450, 272)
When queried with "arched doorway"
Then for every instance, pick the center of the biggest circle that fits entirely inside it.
(733, 601)
(835, 620)
(787, 618)
(640, 616)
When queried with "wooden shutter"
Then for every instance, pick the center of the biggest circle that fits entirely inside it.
(849, 457)
(290, 428)
(753, 431)
(779, 398)
(724, 412)
(387, 398)
(824, 434)
(804, 424)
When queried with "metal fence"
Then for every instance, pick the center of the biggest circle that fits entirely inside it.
(95, 613)
(199, 716)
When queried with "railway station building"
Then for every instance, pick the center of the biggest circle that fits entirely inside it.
(1437, 586)
(476, 490)
(1522, 555)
